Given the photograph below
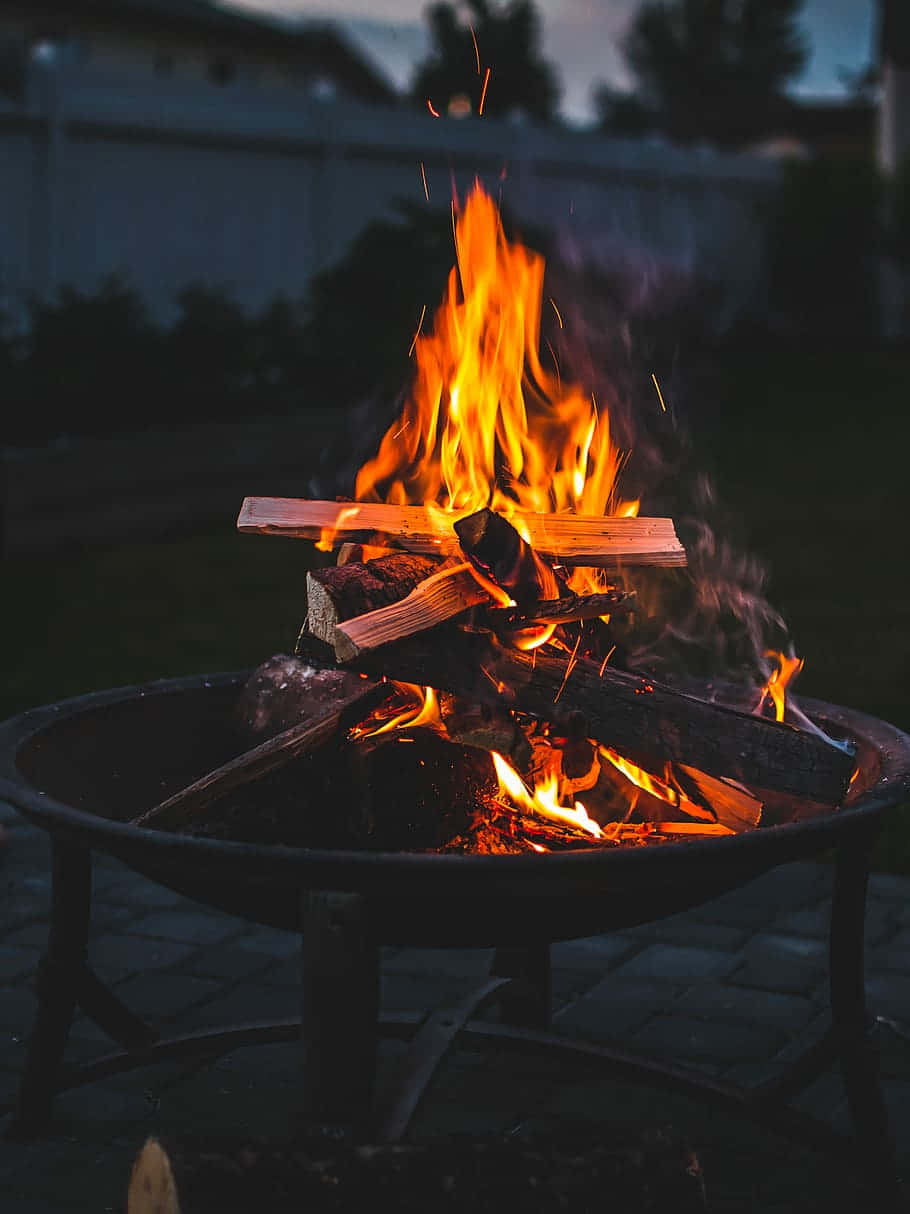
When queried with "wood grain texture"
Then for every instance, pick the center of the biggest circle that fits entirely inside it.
(573, 539)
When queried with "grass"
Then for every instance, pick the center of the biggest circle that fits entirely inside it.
(809, 449)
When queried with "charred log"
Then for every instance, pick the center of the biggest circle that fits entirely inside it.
(647, 721)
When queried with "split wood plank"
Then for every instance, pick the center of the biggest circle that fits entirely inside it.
(450, 591)
(572, 539)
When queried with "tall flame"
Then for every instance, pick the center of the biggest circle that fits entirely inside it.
(486, 424)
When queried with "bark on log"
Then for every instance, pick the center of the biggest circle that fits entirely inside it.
(341, 592)
(646, 721)
(446, 593)
(571, 539)
(187, 805)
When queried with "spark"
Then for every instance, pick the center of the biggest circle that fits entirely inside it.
(603, 665)
(556, 310)
(483, 91)
(495, 682)
(423, 313)
(398, 433)
(432, 108)
(660, 395)
(555, 362)
(423, 178)
(476, 48)
(570, 666)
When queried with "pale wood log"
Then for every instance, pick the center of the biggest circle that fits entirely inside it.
(187, 805)
(443, 595)
(644, 720)
(572, 539)
(733, 805)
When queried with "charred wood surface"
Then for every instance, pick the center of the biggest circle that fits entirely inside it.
(498, 550)
(572, 539)
(649, 723)
(564, 610)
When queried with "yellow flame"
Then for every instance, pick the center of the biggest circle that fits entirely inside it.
(788, 667)
(485, 423)
(544, 800)
(662, 789)
(422, 708)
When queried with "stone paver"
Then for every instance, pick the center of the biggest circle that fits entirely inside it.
(734, 987)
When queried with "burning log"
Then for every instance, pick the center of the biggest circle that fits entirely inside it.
(494, 545)
(567, 609)
(187, 805)
(571, 539)
(650, 723)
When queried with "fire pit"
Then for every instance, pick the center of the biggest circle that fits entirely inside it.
(82, 768)
(601, 716)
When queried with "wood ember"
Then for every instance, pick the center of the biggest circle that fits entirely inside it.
(571, 539)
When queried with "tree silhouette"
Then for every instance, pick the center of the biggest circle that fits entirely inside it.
(711, 68)
(507, 41)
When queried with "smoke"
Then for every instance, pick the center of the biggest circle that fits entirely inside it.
(627, 335)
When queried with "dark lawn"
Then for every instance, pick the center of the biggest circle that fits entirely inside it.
(810, 450)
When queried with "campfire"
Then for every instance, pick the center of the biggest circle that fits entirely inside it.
(485, 599)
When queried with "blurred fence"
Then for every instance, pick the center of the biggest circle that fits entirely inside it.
(256, 190)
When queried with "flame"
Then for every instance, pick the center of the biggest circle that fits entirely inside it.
(421, 709)
(662, 789)
(485, 424)
(544, 800)
(788, 667)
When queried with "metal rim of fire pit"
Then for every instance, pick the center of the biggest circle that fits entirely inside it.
(318, 868)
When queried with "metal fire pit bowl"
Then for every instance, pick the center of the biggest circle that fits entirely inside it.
(81, 769)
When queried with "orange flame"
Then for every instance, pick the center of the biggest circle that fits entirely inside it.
(421, 708)
(788, 667)
(485, 423)
(544, 800)
(662, 789)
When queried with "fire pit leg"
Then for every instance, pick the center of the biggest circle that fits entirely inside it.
(527, 1003)
(340, 1008)
(851, 1022)
(56, 985)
